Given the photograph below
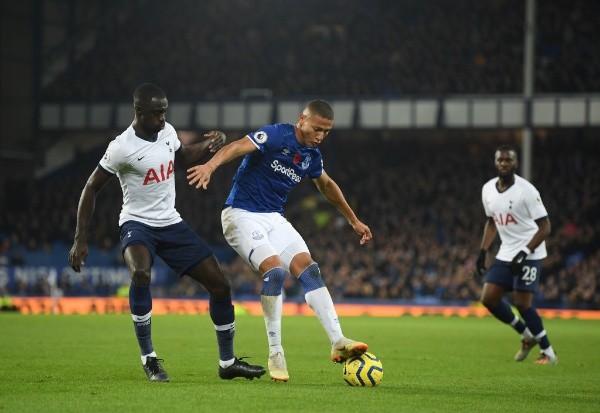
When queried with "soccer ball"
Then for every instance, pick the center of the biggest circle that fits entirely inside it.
(365, 370)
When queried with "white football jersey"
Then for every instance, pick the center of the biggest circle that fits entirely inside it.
(146, 171)
(514, 211)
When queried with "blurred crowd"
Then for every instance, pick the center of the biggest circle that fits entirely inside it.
(216, 49)
(419, 192)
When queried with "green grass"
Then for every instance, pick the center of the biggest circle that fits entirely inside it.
(91, 363)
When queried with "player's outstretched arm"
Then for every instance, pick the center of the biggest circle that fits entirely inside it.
(332, 192)
(87, 202)
(191, 154)
(199, 175)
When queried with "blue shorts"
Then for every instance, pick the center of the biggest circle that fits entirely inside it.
(500, 273)
(178, 246)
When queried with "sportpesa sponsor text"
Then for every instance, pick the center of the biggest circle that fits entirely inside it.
(289, 172)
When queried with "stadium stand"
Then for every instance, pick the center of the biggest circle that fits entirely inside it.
(382, 48)
(419, 191)
(419, 194)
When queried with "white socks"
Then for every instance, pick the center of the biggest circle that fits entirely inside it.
(322, 304)
(272, 309)
(226, 363)
(153, 354)
(526, 334)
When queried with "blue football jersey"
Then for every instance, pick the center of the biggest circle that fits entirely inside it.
(265, 177)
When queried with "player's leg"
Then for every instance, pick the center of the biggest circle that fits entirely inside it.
(246, 233)
(271, 300)
(209, 274)
(138, 258)
(186, 253)
(295, 256)
(492, 298)
(525, 285)
(499, 279)
(318, 298)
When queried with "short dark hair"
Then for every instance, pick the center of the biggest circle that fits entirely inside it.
(321, 108)
(508, 148)
(146, 92)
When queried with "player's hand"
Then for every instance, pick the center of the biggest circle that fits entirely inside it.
(480, 264)
(363, 230)
(517, 263)
(199, 176)
(217, 140)
(78, 255)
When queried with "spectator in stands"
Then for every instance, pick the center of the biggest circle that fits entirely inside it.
(360, 49)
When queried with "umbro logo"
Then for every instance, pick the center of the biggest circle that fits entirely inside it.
(128, 234)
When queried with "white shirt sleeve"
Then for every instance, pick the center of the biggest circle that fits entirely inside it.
(113, 157)
(484, 191)
(534, 204)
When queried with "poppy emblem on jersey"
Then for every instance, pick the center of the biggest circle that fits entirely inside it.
(297, 159)
(260, 137)
(256, 235)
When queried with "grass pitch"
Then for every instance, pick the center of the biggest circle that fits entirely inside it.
(435, 364)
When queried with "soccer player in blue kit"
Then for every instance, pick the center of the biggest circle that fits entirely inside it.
(143, 158)
(517, 214)
(276, 158)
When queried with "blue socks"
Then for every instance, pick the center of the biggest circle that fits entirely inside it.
(140, 304)
(221, 313)
(223, 318)
(535, 325)
(532, 319)
(310, 279)
(273, 281)
(504, 313)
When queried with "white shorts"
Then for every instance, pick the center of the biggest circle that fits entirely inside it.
(256, 236)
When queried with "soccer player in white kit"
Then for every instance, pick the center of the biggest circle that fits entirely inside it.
(517, 214)
(276, 158)
(143, 158)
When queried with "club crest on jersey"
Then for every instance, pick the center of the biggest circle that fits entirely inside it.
(257, 235)
(153, 176)
(260, 137)
(306, 163)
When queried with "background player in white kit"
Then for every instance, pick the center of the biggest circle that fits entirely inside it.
(515, 212)
(276, 158)
(143, 158)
